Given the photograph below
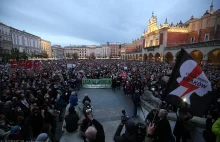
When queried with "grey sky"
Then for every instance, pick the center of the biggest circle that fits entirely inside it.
(77, 22)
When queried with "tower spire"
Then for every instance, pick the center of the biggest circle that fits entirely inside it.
(211, 8)
(166, 21)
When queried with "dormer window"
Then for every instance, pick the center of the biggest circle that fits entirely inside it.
(206, 38)
(192, 39)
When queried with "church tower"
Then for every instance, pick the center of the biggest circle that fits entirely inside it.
(165, 23)
(211, 8)
(152, 25)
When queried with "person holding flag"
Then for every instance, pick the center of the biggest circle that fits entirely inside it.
(188, 87)
(189, 90)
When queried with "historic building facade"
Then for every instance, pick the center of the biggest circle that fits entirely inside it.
(198, 36)
(84, 51)
(115, 49)
(102, 52)
(5, 39)
(25, 42)
(46, 47)
(57, 52)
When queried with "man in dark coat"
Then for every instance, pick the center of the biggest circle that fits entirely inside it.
(136, 101)
(96, 133)
(129, 135)
(72, 120)
(163, 132)
(36, 121)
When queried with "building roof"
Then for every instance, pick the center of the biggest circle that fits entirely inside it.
(217, 11)
(23, 32)
(45, 40)
(4, 25)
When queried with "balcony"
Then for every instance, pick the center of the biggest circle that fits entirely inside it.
(195, 45)
(151, 48)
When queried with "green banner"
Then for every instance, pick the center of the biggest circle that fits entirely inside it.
(97, 83)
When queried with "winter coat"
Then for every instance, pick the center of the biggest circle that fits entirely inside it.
(216, 129)
(71, 122)
(126, 137)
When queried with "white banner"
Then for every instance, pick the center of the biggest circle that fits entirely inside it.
(97, 86)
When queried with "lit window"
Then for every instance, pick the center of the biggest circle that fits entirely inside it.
(206, 37)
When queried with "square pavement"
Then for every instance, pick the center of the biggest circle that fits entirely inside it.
(107, 107)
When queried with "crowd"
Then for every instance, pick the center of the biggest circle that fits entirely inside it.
(32, 99)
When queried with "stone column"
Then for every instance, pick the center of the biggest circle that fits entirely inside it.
(205, 59)
(174, 59)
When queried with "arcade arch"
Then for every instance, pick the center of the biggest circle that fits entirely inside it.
(140, 57)
(197, 56)
(214, 56)
(169, 57)
(157, 57)
(151, 57)
(145, 57)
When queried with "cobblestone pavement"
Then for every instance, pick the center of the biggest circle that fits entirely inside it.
(107, 107)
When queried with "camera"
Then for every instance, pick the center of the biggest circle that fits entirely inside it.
(124, 117)
(141, 131)
(87, 108)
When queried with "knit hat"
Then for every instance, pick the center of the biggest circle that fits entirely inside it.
(73, 100)
(73, 93)
(42, 137)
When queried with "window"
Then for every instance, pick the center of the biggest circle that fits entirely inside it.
(192, 39)
(157, 42)
(206, 37)
(151, 42)
(193, 27)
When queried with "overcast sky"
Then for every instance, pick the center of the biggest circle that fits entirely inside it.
(87, 22)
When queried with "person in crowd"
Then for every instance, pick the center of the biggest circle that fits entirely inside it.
(36, 121)
(96, 132)
(43, 137)
(84, 126)
(208, 135)
(127, 88)
(114, 82)
(130, 132)
(180, 132)
(163, 132)
(86, 98)
(216, 129)
(50, 119)
(71, 120)
(61, 104)
(118, 83)
(136, 101)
